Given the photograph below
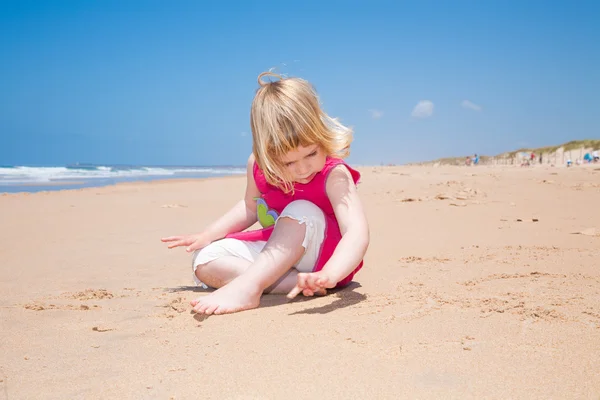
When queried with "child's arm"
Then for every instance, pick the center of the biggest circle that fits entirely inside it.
(352, 220)
(241, 216)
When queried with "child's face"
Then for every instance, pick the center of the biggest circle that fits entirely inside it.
(304, 163)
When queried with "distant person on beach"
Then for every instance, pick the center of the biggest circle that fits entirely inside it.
(314, 232)
(475, 159)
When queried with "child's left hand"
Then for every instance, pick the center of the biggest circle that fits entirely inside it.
(312, 283)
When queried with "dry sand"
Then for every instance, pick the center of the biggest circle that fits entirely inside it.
(463, 295)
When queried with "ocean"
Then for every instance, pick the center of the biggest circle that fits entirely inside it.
(14, 179)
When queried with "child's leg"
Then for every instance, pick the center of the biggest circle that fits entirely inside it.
(299, 230)
(222, 261)
(221, 271)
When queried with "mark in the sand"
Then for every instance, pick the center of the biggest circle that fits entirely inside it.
(399, 173)
(509, 303)
(57, 302)
(174, 307)
(492, 277)
(39, 306)
(102, 329)
(449, 183)
(3, 385)
(410, 199)
(361, 343)
(414, 259)
(595, 315)
(588, 232)
(173, 206)
(465, 342)
(90, 294)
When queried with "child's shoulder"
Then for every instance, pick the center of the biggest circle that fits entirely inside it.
(255, 174)
(251, 160)
(337, 169)
(252, 166)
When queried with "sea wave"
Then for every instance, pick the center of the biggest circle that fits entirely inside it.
(10, 175)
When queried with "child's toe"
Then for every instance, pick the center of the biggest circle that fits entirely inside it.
(211, 309)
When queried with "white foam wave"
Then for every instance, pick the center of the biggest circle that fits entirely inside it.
(29, 175)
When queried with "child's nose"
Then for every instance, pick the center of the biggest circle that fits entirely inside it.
(303, 168)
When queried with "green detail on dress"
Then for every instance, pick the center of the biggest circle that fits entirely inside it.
(266, 217)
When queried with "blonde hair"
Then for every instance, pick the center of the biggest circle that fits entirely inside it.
(286, 114)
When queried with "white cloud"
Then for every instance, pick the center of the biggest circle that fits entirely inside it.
(376, 114)
(423, 109)
(470, 106)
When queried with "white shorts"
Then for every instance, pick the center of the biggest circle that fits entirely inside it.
(302, 211)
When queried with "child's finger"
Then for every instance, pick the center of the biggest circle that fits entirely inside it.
(194, 246)
(294, 292)
(311, 283)
(302, 280)
(171, 238)
(322, 282)
(178, 243)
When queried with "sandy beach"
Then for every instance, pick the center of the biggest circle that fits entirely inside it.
(479, 282)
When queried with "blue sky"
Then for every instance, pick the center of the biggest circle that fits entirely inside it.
(170, 83)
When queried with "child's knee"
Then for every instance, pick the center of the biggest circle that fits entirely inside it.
(199, 261)
(228, 247)
(304, 212)
(212, 252)
(313, 220)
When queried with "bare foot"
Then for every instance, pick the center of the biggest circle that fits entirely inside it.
(233, 297)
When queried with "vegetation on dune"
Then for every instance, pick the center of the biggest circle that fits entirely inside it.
(572, 145)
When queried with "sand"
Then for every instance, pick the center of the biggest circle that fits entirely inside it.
(475, 285)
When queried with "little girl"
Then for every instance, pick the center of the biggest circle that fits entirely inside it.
(314, 231)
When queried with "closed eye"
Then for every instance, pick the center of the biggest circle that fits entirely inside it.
(313, 154)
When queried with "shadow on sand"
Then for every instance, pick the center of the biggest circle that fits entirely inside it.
(345, 297)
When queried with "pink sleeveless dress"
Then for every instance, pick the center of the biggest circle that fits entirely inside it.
(273, 200)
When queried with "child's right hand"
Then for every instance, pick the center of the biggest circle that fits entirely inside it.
(193, 242)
